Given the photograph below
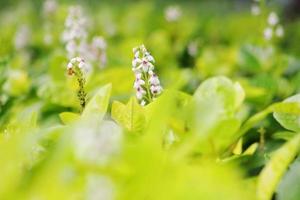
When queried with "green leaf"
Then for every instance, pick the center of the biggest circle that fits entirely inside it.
(216, 102)
(280, 109)
(289, 115)
(251, 149)
(283, 135)
(222, 91)
(289, 187)
(68, 117)
(238, 149)
(97, 106)
(270, 176)
(130, 116)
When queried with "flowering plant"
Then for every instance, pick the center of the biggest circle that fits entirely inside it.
(146, 83)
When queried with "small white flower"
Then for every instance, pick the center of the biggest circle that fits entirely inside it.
(145, 65)
(279, 31)
(150, 72)
(268, 33)
(81, 65)
(155, 89)
(172, 13)
(154, 80)
(138, 83)
(77, 62)
(148, 57)
(70, 65)
(273, 19)
(138, 75)
(140, 92)
(78, 59)
(135, 62)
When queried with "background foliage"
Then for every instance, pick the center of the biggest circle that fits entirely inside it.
(221, 129)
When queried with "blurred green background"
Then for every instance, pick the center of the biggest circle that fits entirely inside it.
(122, 150)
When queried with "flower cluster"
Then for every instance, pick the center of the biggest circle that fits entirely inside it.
(75, 32)
(172, 13)
(146, 83)
(75, 37)
(77, 67)
(273, 28)
(75, 63)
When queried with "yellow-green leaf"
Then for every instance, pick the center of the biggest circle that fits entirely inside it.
(68, 117)
(270, 176)
(97, 106)
(130, 116)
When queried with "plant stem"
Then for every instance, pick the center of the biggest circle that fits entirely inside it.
(81, 94)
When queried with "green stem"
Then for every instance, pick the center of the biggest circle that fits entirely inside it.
(81, 94)
(147, 87)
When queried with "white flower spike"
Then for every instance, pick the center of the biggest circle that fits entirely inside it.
(146, 82)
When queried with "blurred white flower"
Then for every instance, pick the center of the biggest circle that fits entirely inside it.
(192, 48)
(76, 62)
(99, 188)
(273, 19)
(75, 33)
(99, 42)
(279, 31)
(49, 7)
(97, 145)
(48, 38)
(274, 29)
(268, 33)
(97, 51)
(22, 37)
(255, 10)
(172, 13)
